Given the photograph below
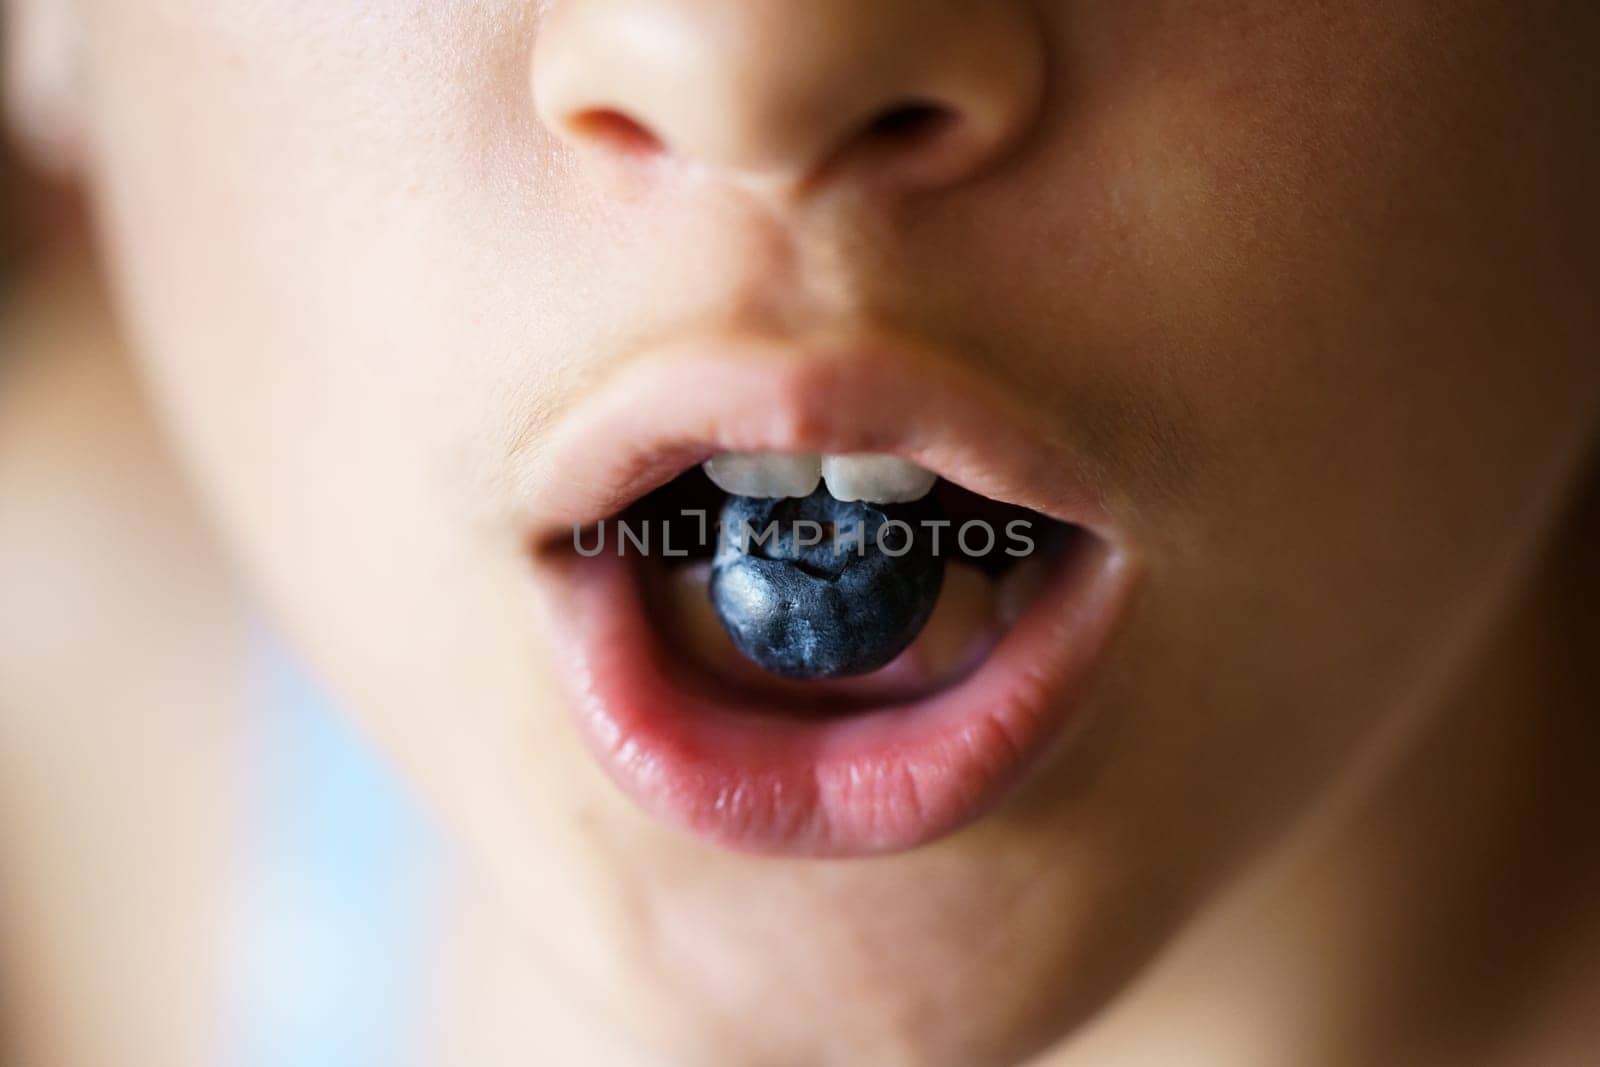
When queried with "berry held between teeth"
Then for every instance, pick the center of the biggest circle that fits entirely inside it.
(818, 596)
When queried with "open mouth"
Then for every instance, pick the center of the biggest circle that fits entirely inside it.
(831, 688)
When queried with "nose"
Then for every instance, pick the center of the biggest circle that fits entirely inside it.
(913, 95)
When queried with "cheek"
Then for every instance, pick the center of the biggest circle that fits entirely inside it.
(1383, 361)
(1301, 300)
(352, 279)
(343, 282)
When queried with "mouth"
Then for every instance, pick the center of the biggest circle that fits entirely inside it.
(807, 756)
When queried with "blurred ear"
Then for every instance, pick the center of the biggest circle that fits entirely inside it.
(43, 51)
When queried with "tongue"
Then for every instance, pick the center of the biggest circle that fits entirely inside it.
(965, 624)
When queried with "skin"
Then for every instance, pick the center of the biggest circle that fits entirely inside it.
(1308, 287)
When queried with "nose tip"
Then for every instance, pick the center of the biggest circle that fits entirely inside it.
(910, 94)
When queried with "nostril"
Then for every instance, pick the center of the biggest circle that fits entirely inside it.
(910, 122)
(611, 129)
(912, 142)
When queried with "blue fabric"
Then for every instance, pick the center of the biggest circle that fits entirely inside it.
(335, 890)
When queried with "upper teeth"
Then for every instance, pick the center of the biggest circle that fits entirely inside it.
(876, 478)
(869, 476)
(764, 474)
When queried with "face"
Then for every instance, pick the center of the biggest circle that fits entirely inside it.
(1285, 305)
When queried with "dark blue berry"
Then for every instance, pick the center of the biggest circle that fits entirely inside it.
(845, 605)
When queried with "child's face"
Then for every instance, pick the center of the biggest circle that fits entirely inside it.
(1299, 292)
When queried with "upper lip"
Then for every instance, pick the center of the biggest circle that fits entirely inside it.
(674, 405)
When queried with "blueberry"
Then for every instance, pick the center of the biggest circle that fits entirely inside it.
(813, 587)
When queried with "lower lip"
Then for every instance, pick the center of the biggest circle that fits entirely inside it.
(878, 780)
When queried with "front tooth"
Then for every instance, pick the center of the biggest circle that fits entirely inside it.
(876, 478)
(764, 474)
